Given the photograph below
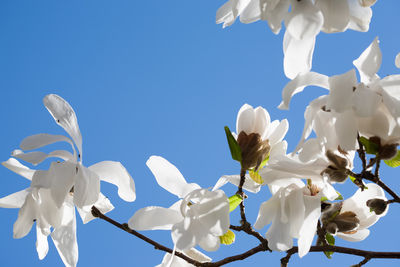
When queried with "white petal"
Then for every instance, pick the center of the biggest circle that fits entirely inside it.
(297, 85)
(249, 184)
(103, 205)
(86, 188)
(267, 212)
(346, 130)
(341, 91)
(305, 20)
(297, 55)
(197, 255)
(309, 227)
(279, 149)
(369, 62)
(252, 12)
(15, 166)
(365, 101)
(37, 157)
(210, 243)
(230, 11)
(397, 60)
(154, 218)
(261, 121)
(63, 178)
(42, 246)
(169, 177)
(182, 235)
(115, 173)
(391, 94)
(64, 238)
(26, 217)
(336, 15)
(278, 236)
(275, 13)
(358, 236)
(360, 17)
(15, 200)
(40, 140)
(296, 211)
(245, 119)
(65, 116)
(279, 132)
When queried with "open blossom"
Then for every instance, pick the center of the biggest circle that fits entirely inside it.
(303, 20)
(257, 136)
(353, 215)
(200, 217)
(293, 211)
(53, 194)
(350, 102)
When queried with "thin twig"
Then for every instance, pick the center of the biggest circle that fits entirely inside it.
(361, 263)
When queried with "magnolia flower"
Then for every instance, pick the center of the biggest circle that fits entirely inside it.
(178, 262)
(199, 217)
(257, 136)
(53, 193)
(293, 211)
(303, 20)
(348, 101)
(353, 217)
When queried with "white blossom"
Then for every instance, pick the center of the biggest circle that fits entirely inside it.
(200, 217)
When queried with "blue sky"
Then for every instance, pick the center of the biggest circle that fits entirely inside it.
(160, 78)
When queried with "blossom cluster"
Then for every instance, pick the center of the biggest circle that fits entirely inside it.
(354, 116)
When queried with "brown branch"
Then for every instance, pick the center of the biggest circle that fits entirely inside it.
(243, 196)
(361, 263)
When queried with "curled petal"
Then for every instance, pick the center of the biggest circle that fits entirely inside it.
(37, 157)
(65, 116)
(169, 177)
(40, 140)
(115, 173)
(249, 184)
(103, 205)
(15, 200)
(15, 166)
(369, 62)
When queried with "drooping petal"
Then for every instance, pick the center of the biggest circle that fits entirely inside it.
(154, 218)
(169, 177)
(182, 235)
(103, 205)
(86, 188)
(64, 238)
(37, 157)
(267, 212)
(309, 227)
(15, 166)
(278, 235)
(346, 130)
(65, 116)
(15, 200)
(297, 85)
(360, 16)
(40, 140)
(391, 94)
(369, 62)
(115, 173)
(366, 101)
(26, 217)
(279, 132)
(296, 211)
(42, 246)
(297, 55)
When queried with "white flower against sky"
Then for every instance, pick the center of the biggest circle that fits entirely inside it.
(303, 20)
(257, 136)
(53, 193)
(354, 216)
(348, 101)
(293, 211)
(200, 217)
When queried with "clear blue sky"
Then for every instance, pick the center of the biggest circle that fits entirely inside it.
(160, 78)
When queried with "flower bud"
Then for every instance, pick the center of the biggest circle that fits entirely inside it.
(254, 149)
(347, 221)
(388, 151)
(332, 228)
(337, 171)
(377, 205)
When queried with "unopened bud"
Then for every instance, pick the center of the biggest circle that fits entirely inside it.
(377, 205)
(254, 149)
(332, 228)
(388, 151)
(347, 221)
(337, 171)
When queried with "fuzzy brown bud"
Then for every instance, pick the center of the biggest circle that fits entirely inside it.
(254, 149)
(337, 171)
(388, 151)
(377, 205)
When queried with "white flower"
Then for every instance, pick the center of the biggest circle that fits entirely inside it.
(348, 101)
(257, 136)
(293, 211)
(200, 217)
(53, 193)
(303, 19)
(179, 262)
(362, 216)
